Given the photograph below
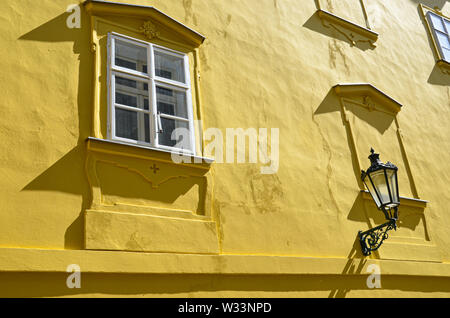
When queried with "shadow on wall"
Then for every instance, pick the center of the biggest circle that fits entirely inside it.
(315, 24)
(350, 269)
(175, 285)
(67, 174)
(378, 120)
(437, 77)
(432, 3)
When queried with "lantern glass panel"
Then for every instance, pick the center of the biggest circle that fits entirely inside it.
(372, 190)
(380, 184)
(392, 178)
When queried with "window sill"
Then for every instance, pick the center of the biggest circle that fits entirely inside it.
(142, 152)
(331, 18)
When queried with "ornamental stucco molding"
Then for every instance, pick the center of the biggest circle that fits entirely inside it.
(150, 30)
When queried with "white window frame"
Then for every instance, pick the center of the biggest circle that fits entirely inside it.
(152, 80)
(435, 32)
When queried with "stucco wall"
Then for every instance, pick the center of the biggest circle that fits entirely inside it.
(264, 64)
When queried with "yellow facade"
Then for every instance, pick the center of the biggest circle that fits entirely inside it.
(335, 77)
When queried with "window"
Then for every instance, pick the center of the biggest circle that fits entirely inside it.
(149, 95)
(441, 31)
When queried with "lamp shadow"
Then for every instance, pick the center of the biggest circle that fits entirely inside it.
(354, 266)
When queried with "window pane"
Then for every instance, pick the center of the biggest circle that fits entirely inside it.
(171, 102)
(131, 93)
(447, 25)
(125, 99)
(443, 40)
(130, 56)
(446, 53)
(126, 82)
(147, 127)
(179, 130)
(170, 67)
(437, 22)
(126, 124)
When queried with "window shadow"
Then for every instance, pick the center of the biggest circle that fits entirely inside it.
(171, 186)
(437, 77)
(67, 174)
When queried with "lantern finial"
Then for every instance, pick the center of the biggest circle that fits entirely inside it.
(374, 157)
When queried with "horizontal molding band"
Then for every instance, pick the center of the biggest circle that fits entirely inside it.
(47, 260)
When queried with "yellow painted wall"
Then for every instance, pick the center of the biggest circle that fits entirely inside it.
(264, 64)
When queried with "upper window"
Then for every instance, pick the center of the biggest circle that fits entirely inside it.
(441, 31)
(149, 95)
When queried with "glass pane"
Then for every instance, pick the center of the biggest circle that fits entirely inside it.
(171, 102)
(437, 22)
(126, 124)
(131, 93)
(392, 178)
(379, 182)
(130, 56)
(371, 190)
(147, 127)
(169, 66)
(446, 53)
(447, 25)
(177, 129)
(443, 40)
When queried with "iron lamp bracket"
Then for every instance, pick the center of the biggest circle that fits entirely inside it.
(372, 239)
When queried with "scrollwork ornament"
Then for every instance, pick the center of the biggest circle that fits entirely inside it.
(150, 30)
(371, 240)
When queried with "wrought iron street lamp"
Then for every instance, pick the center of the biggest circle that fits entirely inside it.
(382, 183)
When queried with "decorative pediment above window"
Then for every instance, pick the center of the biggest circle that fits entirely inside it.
(147, 20)
(368, 96)
(354, 32)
